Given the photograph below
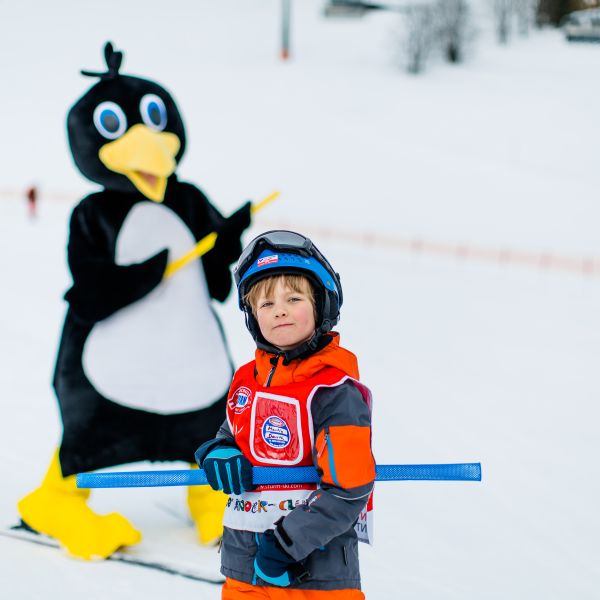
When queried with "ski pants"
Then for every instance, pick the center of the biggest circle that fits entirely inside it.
(237, 590)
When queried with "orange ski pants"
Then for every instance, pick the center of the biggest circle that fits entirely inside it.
(237, 590)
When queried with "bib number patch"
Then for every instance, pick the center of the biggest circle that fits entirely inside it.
(276, 429)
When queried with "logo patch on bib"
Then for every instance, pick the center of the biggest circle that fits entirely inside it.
(240, 400)
(275, 432)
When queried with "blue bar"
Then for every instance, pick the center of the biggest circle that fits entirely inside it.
(271, 475)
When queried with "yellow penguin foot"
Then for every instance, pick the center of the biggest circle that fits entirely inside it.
(58, 509)
(207, 507)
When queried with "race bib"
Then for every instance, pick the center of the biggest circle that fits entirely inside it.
(364, 524)
(259, 511)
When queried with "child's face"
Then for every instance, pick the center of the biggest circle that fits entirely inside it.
(286, 318)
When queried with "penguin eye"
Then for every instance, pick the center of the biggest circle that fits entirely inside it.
(110, 120)
(153, 112)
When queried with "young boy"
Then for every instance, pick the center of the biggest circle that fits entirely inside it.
(299, 403)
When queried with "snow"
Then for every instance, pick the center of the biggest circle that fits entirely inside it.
(469, 359)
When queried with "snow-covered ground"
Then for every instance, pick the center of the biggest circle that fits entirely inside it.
(469, 360)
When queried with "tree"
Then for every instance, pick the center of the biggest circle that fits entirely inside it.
(550, 12)
(454, 28)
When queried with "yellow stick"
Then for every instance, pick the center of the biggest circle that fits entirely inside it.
(256, 207)
(207, 243)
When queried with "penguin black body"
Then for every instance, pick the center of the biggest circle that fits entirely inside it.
(127, 134)
(143, 368)
(98, 432)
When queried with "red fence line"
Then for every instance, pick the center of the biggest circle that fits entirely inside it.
(587, 266)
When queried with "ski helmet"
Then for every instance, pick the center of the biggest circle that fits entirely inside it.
(282, 252)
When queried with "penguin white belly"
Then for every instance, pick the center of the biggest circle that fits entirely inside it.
(165, 353)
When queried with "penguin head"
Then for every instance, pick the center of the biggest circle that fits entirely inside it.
(126, 133)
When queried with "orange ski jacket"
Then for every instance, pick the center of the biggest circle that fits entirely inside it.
(333, 412)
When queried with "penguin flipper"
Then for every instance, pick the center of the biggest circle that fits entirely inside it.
(102, 287)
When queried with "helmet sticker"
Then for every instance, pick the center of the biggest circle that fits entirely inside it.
(267, 260)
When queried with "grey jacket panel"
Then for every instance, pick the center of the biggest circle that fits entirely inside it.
(333, 568)
(330, 510)
(322, 531)
(225, 433)
(224, 438)
(339, 405)
(238, 550)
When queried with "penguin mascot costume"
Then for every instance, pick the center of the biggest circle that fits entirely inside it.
(143, 368)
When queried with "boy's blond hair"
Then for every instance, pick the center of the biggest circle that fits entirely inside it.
(265, 287)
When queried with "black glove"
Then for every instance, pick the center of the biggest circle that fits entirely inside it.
(227, 469)
(236, 223)
(273, 564)
(228, 246)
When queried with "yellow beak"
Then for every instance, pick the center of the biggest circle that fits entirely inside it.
(145, 156)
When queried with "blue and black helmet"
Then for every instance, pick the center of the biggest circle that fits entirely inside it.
(281, 252)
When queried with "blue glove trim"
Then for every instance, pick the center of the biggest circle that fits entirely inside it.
(332, 461)
(218, 476)
(239, 466)
(220, 453)
(214, 462)
(210, 446)
(280, 581)
(229, 477)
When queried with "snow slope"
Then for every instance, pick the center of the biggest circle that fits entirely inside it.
(469, 360)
